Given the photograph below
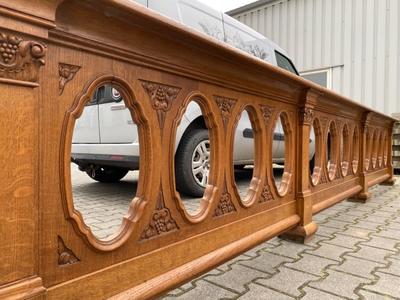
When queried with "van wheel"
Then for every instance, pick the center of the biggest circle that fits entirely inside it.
(107, 174)
(192, 163)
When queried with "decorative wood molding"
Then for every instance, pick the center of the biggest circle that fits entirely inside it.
(267, 112)
(66, 72)
(306, 116)
(266, 195)
(161, 97)
(20, 60)
(27, 288)
(161, 221)
(137, 205)
(225, 106)
(65, 255)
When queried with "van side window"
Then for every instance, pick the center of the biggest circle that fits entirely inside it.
(93, 101)
(285, 63)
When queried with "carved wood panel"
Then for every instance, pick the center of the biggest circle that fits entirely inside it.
(159, 67)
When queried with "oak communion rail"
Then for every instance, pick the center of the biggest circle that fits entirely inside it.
(53, 56)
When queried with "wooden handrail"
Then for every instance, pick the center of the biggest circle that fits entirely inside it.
(60, 52)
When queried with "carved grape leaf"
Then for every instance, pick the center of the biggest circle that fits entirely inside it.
(65, 255)
(66, 72)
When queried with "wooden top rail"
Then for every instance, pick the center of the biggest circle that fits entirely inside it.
(56, 55)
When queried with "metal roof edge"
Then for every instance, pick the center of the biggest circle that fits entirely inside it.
(248, 7)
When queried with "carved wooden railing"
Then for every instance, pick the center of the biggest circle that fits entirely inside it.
(53, 56)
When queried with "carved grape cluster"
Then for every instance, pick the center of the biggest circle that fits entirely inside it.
(161, 99)
(225, 205)
(9, 47)
(266, 195)
(160, 223)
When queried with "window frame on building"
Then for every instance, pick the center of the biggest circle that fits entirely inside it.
(328, 72)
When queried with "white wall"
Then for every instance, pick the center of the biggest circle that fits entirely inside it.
(358, 39)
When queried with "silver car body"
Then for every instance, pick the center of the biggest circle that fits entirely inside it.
(105, 131)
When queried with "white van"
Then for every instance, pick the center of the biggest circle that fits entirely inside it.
(105, 140)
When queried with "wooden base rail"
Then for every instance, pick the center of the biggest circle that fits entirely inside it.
(55, 55)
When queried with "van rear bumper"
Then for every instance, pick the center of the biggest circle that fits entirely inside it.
(115, 155)
(121, 161)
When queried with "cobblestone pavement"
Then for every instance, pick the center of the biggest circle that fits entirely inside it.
(104, 205)
(354, 255)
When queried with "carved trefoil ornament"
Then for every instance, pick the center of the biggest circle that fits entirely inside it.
(161, 221)
(66, 72)
(161, 97)
(225, 106)
(19, 59)
(306, 115)
(266, 194)
(65, 255)
(267, 113)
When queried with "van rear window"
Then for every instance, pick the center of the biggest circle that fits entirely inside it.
(285, 63)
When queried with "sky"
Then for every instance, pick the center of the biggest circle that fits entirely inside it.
(225, 5)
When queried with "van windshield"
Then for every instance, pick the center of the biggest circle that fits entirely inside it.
(285, 63)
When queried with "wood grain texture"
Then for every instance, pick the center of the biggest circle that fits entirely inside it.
(48, 250)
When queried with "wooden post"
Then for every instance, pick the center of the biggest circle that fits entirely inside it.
(391, 180)
(364, 195)
(307, 227)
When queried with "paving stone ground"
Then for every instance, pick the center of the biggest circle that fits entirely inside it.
(354, 255)
(104, 205)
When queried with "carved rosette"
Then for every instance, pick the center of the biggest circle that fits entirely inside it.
(66, 72)
(65, 255)
(266, 195)
(267, 113)
(20, 59)
(306, 115)
(161, 221)
(225, 105)
(161, 97)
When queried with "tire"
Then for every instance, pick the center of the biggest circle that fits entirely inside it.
(186, 182)
(107, 174)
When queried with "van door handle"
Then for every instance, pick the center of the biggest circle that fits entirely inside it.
(118, 107)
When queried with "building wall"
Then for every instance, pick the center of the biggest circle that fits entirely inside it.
(358, 40)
